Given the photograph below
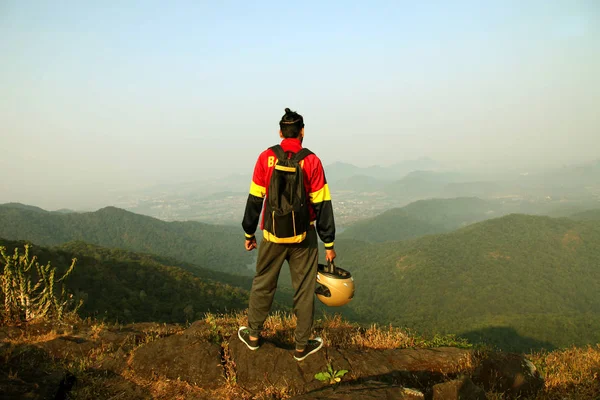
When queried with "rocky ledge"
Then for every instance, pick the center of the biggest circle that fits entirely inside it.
(160, 361)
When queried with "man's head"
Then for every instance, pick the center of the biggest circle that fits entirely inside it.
(291, 125)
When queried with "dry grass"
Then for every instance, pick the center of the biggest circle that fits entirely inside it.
(382, 338)
(229, 367)
(468, 363)
(163, 388)
(572, 373)
(335, 331)
(495, 396)
(155, 332)
(96, 328)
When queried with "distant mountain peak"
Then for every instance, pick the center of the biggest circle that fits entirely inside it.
(22, 206)
(113, 209)
(341, 164)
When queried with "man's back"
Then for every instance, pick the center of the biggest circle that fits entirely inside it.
(317, 190)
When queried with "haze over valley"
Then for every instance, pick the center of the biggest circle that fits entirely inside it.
(360, 193)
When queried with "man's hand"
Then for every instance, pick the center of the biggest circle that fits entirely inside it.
(250, 244)
(330, 255)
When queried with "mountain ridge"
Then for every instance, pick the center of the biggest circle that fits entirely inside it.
(211, 246)
(423, 217)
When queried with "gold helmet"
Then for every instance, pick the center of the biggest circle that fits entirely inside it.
(335, 285)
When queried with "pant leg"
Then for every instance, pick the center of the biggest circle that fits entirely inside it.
(303, 259)
(268, 265)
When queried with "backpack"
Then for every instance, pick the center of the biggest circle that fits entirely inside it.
(286, 214)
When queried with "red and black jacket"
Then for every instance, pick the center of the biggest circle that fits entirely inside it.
(321, 210)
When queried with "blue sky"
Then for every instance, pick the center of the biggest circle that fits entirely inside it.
(119, 94)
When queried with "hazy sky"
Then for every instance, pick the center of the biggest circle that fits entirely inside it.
(100, 95)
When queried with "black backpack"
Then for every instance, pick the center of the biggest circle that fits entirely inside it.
(287, 216)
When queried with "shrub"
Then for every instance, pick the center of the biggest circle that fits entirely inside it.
(26, 299)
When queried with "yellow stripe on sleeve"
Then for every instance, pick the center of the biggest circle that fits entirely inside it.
(257, 190)
(321, 195)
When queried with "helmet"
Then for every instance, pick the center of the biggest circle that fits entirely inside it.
(335, 285)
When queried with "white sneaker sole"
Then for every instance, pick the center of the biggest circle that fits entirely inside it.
(243, 341)
(312, 351)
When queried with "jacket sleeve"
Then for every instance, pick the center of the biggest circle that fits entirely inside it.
(321, 201)
(255, 200)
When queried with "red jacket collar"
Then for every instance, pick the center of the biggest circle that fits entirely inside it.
(292, 144)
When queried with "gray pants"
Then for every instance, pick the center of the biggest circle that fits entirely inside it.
(303, 259)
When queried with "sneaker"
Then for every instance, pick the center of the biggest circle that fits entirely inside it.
(312, 346)
(244, 335)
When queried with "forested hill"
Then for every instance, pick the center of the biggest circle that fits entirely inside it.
(423, 217)
(518, 281)
(125, 286)
(588, 215)
(210, 246)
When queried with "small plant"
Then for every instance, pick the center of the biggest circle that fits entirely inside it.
(331, 375)
(23, 298)
(214, 329)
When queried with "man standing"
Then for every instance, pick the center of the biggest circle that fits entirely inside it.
(300, 248)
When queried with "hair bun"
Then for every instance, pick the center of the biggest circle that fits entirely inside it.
(287, 111)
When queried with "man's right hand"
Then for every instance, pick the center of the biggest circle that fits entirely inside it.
(250, 244)
(330, 255)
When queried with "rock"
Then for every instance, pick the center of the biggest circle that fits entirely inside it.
(143, 326)
(41, 328)
(186, 356)
(458, 389)
(275, 366)
(508, 373)
(27, 372)
(115, 361)
(65, 386)
(103, 384)
(118, 337)
(10, 332)
(272, 365)
(364, 391)
(198, 327)
(68, 347)
(409, 367)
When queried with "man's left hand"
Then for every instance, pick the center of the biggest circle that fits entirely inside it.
(250, 244)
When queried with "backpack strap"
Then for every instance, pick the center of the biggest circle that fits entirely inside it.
(279, 153)
(301, 155)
